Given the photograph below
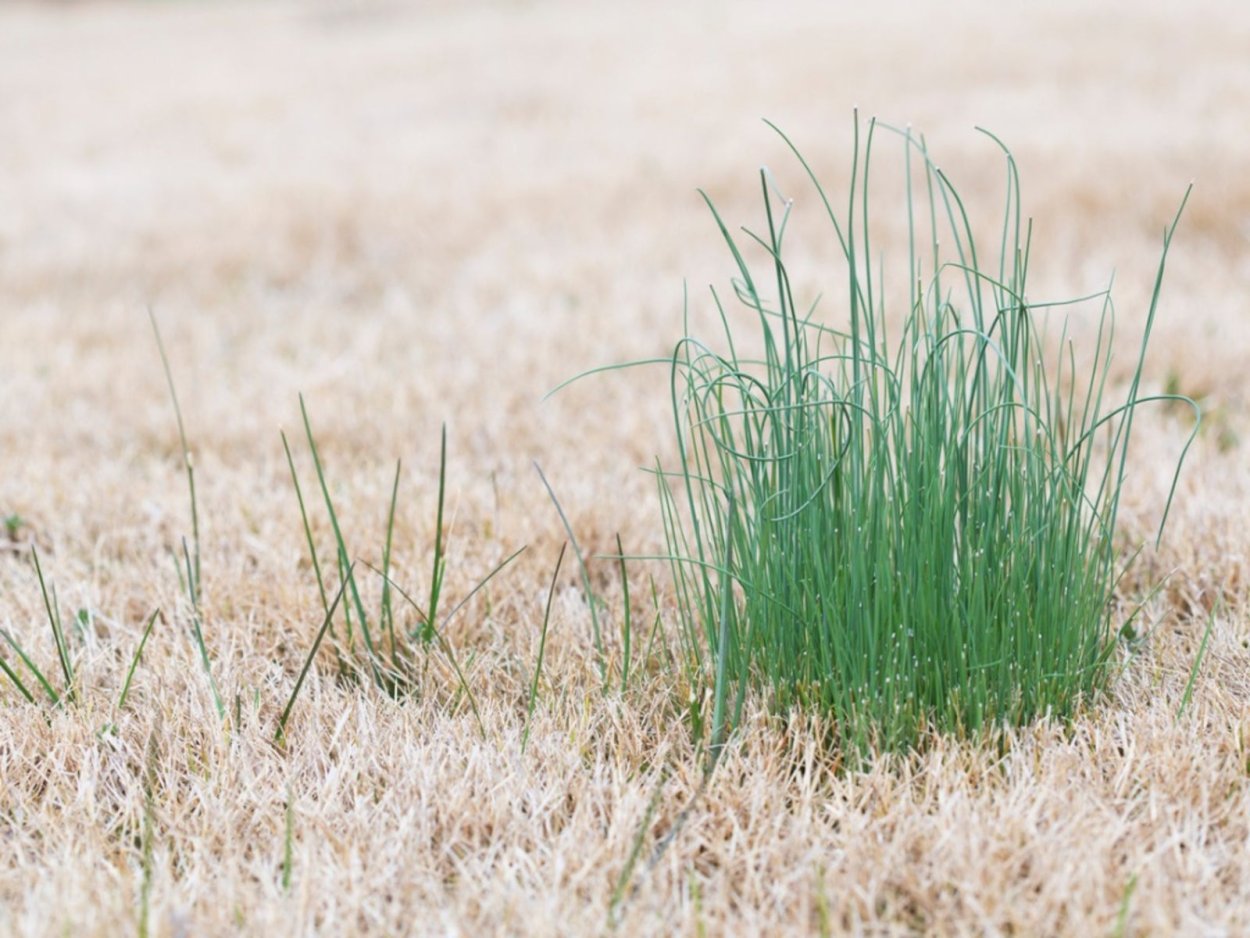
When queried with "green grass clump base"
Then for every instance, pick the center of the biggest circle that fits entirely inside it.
(910, 532)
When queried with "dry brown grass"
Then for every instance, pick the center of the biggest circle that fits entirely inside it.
(437, 212)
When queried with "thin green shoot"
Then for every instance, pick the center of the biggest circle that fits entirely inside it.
(542, 647)
(194, 578)
(58, 633)
(655, 628)
(182, 577)
(635, 851)
(696, 901)
(280, 734)
(197, 631)
(303, 514)
(83, 622)
(312, 547)
(33, 668)
(56, 615)
(466, 668)
(824, 917)
(15, 680)
(134, 660)
(591, 600)
(148, 838)
(388, 614)
(1187, 696)
(439, 564)
(602, 369)
(1128, 634)
(721, 686)
(345, 563)
(1121, 918)
(481, 584)
(627, 618)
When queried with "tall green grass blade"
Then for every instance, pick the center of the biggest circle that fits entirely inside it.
(33, 668)
(183, 586)
(1121, 918)
(197, 631)
(186, 460)
(436, 574)
(288, 841)
(16, 681)
(135, 658)
(655, 628)
(720, 688)
(627, 617)
(312, 548)
(1187, 696)
(148, 838)
(635, 851)
(58, 632)
(280, 733)
(482, 584)
(344, 560)
(542, 647)
(303, 514)
(388, 614)
(591, 599)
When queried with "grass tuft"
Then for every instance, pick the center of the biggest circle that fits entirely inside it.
(909, 531)
(396, 665)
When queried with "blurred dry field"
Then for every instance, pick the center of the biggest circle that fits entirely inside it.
(436, 212)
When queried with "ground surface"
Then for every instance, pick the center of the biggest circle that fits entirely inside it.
(429, 213)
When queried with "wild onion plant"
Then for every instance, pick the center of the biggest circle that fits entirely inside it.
(910, 531)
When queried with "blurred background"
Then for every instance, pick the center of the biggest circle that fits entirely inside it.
(428, 211)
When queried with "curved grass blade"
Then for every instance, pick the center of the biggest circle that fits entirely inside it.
(34, 669)
(58, 633)
(280, 733)
(542, 646)
(197, 631)
(134, 660)
(17, 681)
(591, 601)
(186, 459)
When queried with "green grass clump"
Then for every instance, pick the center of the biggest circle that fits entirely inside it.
(65, 657)
(391, 654)
(904, 521)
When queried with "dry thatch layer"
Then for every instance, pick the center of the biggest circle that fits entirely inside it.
(428, 213)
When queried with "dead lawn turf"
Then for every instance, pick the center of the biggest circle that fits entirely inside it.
(436, 213)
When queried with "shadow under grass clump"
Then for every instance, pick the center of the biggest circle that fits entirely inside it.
(908, 531)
